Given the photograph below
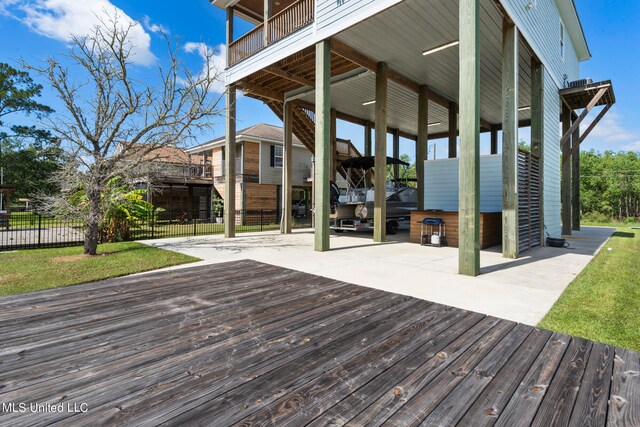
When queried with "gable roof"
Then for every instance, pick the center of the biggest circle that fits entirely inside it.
(260, 132)
(571, 19)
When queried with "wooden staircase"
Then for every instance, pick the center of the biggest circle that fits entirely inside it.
(304, 127)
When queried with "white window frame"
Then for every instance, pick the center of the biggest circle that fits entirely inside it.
(278, 159)
(562, 40)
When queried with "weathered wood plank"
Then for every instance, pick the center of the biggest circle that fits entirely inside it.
(624, 403)
(323, 146)
(230, 163)
(497, 393)
(309, 401)
(591, 404)
(384, 384)
(524, 403)
(557, 404)
(243, 400)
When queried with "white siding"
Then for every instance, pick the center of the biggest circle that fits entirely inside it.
(335, 15)
(301, 166)
(442, 180)
(541, 27)
(551, 157)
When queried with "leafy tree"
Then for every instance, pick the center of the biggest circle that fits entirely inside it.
(29, 166)
(114, 124)
(17, 96)
(406, 172)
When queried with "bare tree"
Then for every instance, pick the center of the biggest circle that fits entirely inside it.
(113, 123)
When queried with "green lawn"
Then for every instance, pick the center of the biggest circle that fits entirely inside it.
(603, 302)
(32, 270)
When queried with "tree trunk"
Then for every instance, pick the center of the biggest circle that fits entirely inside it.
(93, 222)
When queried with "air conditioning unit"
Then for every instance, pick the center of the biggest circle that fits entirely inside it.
(580, 83)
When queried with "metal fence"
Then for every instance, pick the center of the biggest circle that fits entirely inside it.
(30, 230)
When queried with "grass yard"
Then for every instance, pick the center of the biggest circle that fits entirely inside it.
(32, 270)
(603, 302)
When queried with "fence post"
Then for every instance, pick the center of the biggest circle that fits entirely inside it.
(153, 224)
(195, 223)
(39, 228)
(261, 219)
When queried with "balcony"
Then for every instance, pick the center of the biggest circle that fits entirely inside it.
(289, 20)
(178, 171)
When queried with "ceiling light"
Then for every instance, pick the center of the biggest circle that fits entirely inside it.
(369, 102)
(435, 124)
(524, 108)
(439, 48)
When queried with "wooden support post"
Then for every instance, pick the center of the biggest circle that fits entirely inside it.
(323, 145)
(230, 164)
(287, 169)
(267, 15)
(396, 154)
(229, 23)
(510, 222)
(537, 129)
(367, 150)
(380, 169)
(367, 139)
(422, 142)
(494, 139)
(469, 210)
(575, 181)
(453, 130)
(565, 178)
(334, 146)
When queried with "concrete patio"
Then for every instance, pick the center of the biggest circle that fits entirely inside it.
(521, 290)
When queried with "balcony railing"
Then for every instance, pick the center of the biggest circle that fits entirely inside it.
(289, 20)
(162, 170)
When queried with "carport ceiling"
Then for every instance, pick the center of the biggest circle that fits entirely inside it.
(399, 36)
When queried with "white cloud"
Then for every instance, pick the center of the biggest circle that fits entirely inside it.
(63, 19)
(611, 133)
(153, 26)
(217, 61)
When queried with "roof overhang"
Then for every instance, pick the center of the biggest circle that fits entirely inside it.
(569, 14)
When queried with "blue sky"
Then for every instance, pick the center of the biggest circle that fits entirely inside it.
(34, 29)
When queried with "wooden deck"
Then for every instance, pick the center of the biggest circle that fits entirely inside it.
(255, 344)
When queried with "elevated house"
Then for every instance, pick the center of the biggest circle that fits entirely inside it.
(258, 165)
(426, 70)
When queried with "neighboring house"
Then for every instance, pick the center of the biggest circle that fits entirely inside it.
(425, 70)
(179, 182)
(259, 162)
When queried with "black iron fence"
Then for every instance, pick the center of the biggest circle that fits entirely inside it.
(30, 230)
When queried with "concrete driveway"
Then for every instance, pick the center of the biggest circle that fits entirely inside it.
(522, 290)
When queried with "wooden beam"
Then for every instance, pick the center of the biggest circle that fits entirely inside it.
(510, 221)
(494, 139)
(380, 169)
(333, 161)
(576, 123)
(422, 142)
(229, 31)
(322, 146)
(565, 174)
(254, 89)
(537, 129)
(469, 199)
(453, 130)
(595, 122)
(289, 76)
(575, 181)
(287, 170)
(396, 153)
(230, 164)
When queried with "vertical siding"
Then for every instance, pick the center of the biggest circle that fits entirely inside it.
(551, 153)
(541, 26)
(442, 180)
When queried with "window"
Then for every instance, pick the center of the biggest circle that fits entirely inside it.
(561, 41)
(276, 156)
